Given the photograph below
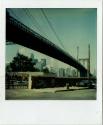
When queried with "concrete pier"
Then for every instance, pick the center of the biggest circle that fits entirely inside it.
(29, 82)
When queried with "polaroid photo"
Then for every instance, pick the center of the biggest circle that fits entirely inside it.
(51, 62)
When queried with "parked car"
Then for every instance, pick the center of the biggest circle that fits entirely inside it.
(92, 85)
(83, 83)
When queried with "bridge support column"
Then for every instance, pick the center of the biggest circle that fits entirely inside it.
(29, 82)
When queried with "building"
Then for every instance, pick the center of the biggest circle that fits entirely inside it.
(53, 71)
(33, 59)
(40, 65)
(67, 72)
(61, 72)
(74, 73)
(43, 62)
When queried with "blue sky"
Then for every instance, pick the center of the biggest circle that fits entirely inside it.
(74, 26)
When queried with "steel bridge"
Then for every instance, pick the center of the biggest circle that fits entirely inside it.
(18, 33)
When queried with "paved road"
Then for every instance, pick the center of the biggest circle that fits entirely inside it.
(51, 94)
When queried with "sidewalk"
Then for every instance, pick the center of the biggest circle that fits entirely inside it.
(58, 89)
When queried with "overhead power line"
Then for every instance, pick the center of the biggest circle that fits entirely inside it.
(52, 28)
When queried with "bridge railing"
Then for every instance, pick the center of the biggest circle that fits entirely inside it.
(27, 29)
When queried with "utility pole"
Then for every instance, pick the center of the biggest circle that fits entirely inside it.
(77, 57)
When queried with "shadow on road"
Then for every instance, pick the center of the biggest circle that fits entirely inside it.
(71, 89)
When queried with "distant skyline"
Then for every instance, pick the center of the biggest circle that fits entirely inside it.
(74, 27)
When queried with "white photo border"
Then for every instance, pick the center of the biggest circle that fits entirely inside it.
(75, 112)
